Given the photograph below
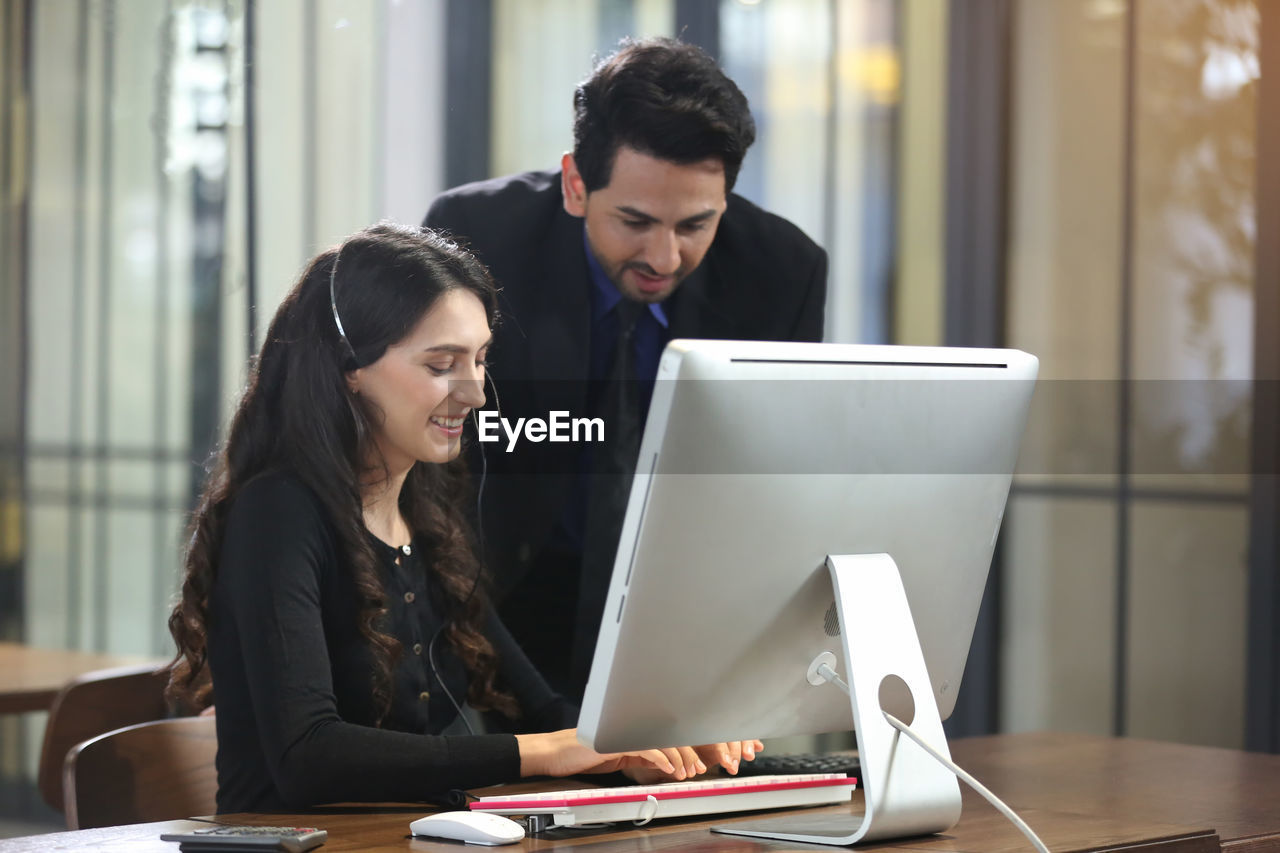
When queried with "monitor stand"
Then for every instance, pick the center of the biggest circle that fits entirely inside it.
(907, 791)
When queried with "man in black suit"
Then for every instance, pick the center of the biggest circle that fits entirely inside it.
(634, 241)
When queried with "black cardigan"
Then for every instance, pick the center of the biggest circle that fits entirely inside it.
(292, 675)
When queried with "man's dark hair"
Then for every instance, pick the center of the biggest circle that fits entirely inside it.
(663, 98)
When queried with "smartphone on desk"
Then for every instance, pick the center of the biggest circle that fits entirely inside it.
(238, 839)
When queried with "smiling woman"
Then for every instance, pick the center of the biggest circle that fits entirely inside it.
(333, 598)
(424, 386)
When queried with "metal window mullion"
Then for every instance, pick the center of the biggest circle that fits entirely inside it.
(698, 22)
(468, 90)
(15, 183)
(250, 175)
(310, 130)
(103, 401)
(1124, 413)
(160, 579)
(79, 262)
(976, 247)
(831, 128)
(1262, 699)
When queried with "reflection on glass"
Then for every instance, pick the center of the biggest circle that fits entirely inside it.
(824, 83)
(1066, 224)
(1188, 343)
(131, 123)
(1187, 632)
(1057, 656)
(533, 82)
(1193, 272)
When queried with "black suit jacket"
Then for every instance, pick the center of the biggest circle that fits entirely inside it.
(762, 279)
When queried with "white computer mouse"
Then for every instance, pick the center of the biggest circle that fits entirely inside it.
(471, 827)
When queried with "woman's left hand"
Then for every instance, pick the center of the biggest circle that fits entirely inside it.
(691, 761)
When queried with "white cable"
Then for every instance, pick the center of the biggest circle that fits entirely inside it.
(825, 670)
(972, 782)
(484, 472)
(830, 675)
(431, 660)
(651, 802)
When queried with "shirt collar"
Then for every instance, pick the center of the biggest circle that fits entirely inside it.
(604, 294)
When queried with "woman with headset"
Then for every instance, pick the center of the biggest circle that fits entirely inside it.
(332, 596)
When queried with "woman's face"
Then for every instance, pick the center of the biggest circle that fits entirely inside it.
(423, 387)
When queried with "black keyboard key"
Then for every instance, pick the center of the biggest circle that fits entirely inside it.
(788, 764)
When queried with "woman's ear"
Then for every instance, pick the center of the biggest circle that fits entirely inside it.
(353, 380)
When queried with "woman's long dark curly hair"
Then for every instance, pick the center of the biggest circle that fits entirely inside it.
(299, 414)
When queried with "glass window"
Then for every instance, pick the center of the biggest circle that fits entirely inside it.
(1131, 267)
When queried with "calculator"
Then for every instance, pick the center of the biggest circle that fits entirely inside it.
(216, 839)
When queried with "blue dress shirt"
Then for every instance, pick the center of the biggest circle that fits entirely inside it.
(651, 328)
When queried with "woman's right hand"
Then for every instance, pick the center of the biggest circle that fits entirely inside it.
(560, 754)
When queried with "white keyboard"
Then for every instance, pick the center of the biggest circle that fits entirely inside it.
(642, 803)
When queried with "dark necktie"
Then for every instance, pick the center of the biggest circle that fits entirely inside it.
(621, 399)
(612, 470)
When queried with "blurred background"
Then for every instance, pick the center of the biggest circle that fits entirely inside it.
(1094, 181)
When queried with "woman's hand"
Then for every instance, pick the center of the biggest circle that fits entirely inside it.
(698, 759)
(560, 754)
(729, 755)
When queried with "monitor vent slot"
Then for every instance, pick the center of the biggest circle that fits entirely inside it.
(853, 363)
(831, 622)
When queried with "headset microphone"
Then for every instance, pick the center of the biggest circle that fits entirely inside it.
(475, 581)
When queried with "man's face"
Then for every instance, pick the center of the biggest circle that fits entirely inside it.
(654, 221)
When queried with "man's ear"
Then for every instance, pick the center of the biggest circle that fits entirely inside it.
(573, 187)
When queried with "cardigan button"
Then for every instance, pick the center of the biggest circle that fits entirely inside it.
(408, 597)
(417, 648)
(424, 695)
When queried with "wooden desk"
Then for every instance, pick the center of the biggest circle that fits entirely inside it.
(1080, 793)
(30, 677)
(1235, 793)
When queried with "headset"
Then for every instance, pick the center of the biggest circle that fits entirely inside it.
(333, 306)
(484, 471)
(480, 561)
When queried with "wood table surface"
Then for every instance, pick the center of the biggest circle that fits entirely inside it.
(30, 676)
(1079, 792)
(1237, 793)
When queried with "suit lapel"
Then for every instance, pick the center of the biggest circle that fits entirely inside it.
(695, 307)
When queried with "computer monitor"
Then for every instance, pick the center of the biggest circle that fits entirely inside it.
(758, 461)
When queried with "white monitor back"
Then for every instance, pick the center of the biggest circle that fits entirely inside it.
(758, 460)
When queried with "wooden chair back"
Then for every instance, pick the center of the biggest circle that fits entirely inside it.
(163, 770)
(90, 705)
